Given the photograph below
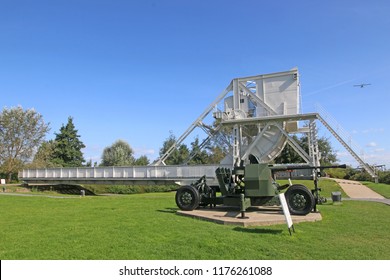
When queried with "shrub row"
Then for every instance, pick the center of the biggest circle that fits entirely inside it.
(358, 175)
(129, 189)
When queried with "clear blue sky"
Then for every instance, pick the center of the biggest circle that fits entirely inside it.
(136, 70)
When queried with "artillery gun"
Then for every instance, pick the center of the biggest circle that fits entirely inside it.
(251, 185)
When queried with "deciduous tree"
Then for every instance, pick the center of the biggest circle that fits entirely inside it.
(142, 160)
(44, 157)
(118, 154)
(21, 133)
(328, 155)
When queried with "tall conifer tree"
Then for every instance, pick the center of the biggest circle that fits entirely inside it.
(67, 151)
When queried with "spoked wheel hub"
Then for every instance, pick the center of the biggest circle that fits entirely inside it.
(187, 198)
(299, 199)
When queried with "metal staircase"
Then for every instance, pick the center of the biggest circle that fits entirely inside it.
(339, 133)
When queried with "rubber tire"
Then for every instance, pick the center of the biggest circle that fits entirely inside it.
(300, 190)
(187, 198)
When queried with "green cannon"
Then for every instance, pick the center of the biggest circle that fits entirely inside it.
(250, 185)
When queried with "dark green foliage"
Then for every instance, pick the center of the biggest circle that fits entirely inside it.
(142, 161)
(199, 156)
(139, 189)
(384, 177)
(67, 150)
(288, 155)
(178, 156)
(210, 154)
(358, 175)
(361, 176)
(129, 189)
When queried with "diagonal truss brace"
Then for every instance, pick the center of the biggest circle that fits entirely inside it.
(195, 124)
(212, 133)
(257, 99)
(294, 144)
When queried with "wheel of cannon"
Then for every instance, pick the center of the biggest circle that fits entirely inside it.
(187, 198)
(299, 199)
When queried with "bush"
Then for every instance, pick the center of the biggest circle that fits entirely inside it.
(14, 177)
(361, 176)
(338, 173)
(384, 177)
(138, 189)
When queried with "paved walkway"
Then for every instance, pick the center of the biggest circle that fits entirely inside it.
(357, 191)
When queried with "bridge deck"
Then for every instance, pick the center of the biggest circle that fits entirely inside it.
(132, 175)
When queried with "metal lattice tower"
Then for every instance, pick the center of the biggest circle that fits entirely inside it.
(244, 100)
(261, 113)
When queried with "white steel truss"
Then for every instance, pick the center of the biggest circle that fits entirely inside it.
(261, 116)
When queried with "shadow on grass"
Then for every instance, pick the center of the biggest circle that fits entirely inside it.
(258, 230)
(168, 210)
(62, 189)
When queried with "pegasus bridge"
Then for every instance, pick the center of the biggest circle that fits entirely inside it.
(253, 117)
(132, 175)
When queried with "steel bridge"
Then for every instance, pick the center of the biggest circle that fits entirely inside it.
(134, 175)
(258, 116)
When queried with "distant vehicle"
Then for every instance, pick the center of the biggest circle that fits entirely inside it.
(361, 85)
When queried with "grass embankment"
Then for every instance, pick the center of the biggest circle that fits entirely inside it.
(145, 226)
(382, 189)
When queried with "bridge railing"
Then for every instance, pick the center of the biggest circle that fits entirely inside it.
(131, 172)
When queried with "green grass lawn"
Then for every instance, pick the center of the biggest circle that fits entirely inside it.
(383, 189)
(145, 226)
(327, 186)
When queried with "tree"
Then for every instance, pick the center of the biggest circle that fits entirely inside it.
(21, 131)
(216, 154)
(67, 148)
(118, 154)
(328, 154)
(45, 155)
(178, 156)
(198, 156)
(288, 155)
(142, 160)
(211, 154)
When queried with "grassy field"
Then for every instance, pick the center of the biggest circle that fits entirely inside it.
(145, 226)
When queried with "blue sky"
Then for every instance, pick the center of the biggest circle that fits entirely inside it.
(136, 70)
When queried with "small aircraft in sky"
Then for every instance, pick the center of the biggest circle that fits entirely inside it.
(361, 85)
